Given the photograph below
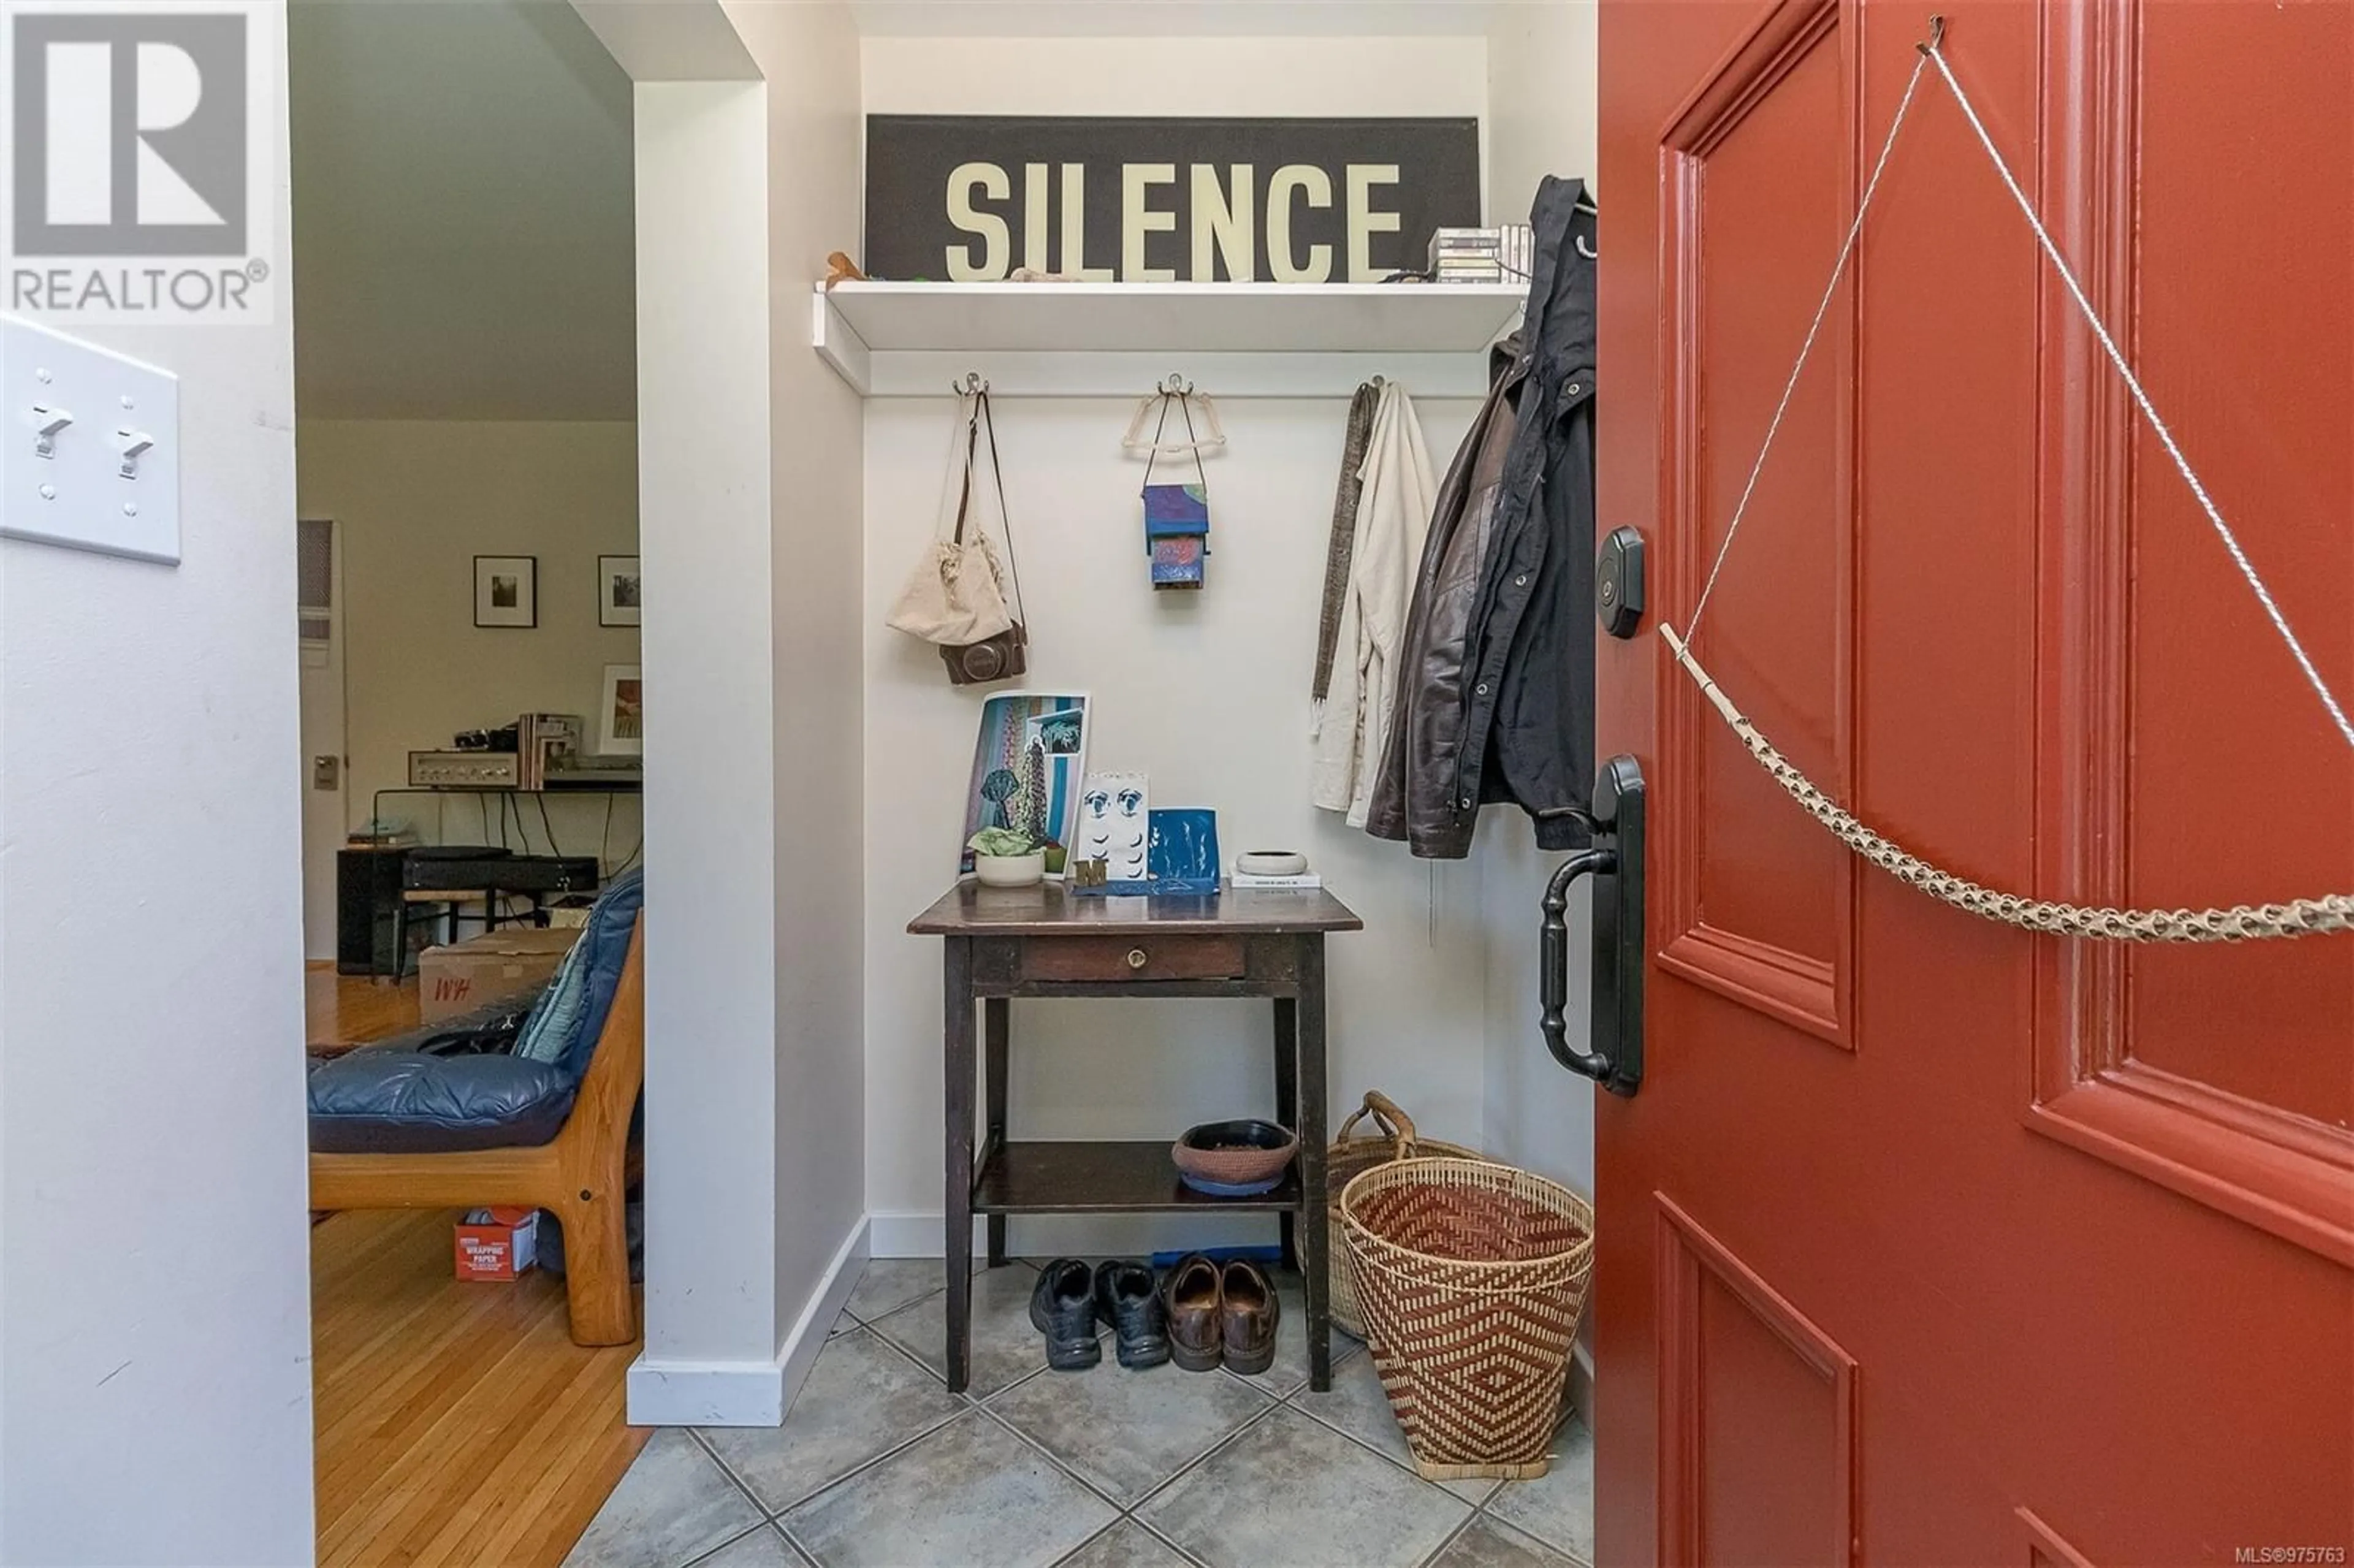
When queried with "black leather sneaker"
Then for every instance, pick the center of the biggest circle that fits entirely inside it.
(1062, 1308)
(1128, 1303)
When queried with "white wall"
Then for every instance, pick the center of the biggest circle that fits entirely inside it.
(754, 1074)
(418, 500)
(1428, 76)
(154, 1370)
(1208, 696)
(809, 54)
(1541, 86)
(1421, 76)
(711, 1025)
(1541, 59)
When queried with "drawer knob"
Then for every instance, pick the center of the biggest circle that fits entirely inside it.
(1135, 959)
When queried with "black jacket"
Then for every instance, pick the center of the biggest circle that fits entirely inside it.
(1496, 699)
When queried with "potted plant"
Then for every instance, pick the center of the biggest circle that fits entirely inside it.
(1007, 857)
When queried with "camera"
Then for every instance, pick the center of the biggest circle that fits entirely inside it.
(998, 658)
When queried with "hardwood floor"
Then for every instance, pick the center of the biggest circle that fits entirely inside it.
(344, 1010)
(456, 1424)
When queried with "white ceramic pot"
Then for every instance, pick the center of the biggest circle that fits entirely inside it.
(1010, 870)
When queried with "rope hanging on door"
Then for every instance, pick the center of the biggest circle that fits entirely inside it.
(2242, 922)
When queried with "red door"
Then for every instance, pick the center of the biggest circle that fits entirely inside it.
(1928, 1240)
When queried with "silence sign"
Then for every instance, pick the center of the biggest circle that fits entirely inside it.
(971, 197)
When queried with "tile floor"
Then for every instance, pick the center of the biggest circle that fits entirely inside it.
(879, 1465)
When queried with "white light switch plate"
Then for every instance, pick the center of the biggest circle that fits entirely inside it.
(104, 412)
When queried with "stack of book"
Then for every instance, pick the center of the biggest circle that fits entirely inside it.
(1517, 251)
(540, 736)
(1466, 256)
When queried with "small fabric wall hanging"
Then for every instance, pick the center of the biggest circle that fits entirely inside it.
(1176, 516)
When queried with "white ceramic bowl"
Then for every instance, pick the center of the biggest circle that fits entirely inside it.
(1010, 870)
(1271, 863)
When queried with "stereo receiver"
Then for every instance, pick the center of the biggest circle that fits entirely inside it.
(464, 771)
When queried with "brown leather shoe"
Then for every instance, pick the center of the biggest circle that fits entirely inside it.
(1197, 1340)
(1248, 1312)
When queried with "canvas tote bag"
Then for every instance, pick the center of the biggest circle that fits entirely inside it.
(959, 596)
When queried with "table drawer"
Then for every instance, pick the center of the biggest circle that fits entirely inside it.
(1134, 959)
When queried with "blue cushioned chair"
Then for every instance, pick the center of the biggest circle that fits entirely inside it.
(392, 1128)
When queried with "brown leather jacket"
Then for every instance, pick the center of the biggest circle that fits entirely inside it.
(1414, 794)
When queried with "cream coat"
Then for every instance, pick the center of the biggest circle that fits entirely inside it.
(1392, 516)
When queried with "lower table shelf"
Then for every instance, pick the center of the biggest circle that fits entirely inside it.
(1043, 1178)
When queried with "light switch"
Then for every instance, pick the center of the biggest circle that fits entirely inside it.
(90, 447)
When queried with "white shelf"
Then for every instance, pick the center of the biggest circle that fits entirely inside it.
(1216, 318)
(1095, 339)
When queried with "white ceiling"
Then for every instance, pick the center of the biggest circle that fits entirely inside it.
(463, 234)
(1175, 18)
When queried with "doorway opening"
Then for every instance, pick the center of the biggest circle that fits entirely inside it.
(472, 749)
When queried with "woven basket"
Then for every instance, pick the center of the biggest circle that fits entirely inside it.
(1349, 1158)
(1471, 1276)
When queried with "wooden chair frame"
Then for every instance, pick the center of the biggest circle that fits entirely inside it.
(582, 1174)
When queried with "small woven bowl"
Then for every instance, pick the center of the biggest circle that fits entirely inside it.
(1230, 1154)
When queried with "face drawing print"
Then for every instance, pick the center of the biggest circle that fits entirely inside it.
(1113, 819)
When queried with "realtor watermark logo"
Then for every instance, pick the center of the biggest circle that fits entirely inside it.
(139, 187)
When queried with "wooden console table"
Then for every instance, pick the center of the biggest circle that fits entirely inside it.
(1001, 943)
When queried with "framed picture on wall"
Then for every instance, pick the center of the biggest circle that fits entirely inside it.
(617, 590)
(622, 714)
(506, 590)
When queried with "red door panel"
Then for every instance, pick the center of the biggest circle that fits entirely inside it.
(1764, 199)
(1759, 1457)
(2257, 377)
(2054, 1260)
(1759, 187)
(2222, 1073)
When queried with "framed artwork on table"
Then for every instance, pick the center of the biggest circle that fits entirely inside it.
(622, 716)
(506, 591)
(618, 600)
(1027, 764)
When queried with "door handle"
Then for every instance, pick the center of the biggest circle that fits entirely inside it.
(1614, 1053)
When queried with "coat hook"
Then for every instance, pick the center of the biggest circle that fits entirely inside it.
(973, 385)
(1175, 385)
(1936, 34)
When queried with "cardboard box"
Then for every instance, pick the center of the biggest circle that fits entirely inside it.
(497, 1244)
(464, 976)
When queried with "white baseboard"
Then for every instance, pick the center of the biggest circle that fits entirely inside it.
(1072, 1235)
(705, 1394)
(748, 1393)
(917, 1236)
(800, 1350)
